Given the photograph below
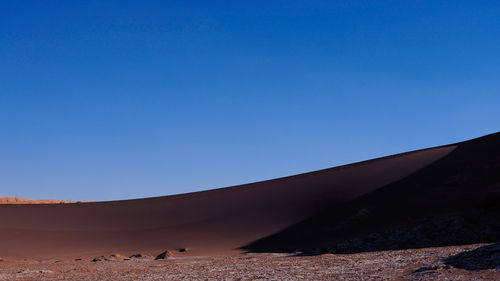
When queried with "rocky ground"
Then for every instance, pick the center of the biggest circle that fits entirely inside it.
(470, 262)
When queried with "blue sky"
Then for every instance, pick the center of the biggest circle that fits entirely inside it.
(135, 99)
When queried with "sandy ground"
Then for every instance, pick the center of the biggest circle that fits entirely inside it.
(415, 264)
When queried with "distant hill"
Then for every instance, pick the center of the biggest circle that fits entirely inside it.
(19, 200)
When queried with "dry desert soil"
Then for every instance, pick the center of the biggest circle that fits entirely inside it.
(471, 262)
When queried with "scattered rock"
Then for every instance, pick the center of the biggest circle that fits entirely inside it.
(31, 261)
(411, 264)
(100, 258)
(117, 257)
(164, 255)
(112, 257)
(27, 271)
(78, 259)
(49, 261)
(182, 250)
(426, 268)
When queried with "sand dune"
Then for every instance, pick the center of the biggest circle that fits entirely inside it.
(219, 221)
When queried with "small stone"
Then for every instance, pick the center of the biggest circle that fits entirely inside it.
(116, 257)
(164, 255)
(100, 258)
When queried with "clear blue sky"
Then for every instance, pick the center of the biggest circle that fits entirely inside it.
(135, 99)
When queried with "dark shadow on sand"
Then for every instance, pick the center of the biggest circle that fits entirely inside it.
(487, 257)
(453, 201)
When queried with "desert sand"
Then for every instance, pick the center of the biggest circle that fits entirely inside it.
(438, 197)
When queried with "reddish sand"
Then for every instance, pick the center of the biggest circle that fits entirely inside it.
(211, 222)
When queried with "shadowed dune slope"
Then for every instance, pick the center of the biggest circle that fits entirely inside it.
(453, 201)
(209, 222)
